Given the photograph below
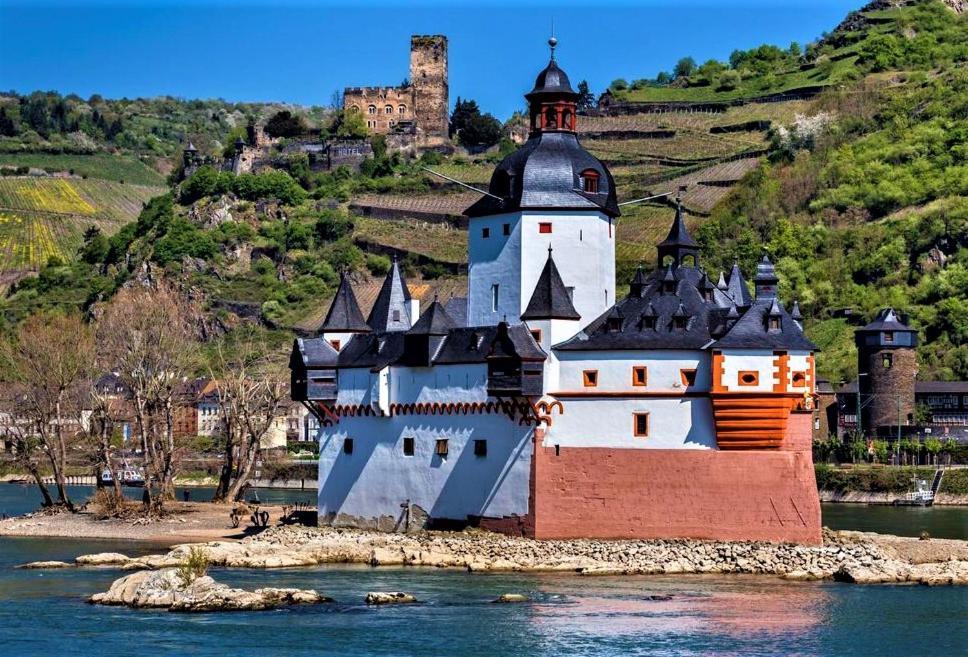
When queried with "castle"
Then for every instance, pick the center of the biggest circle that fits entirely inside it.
(419, 108)
(541, 404)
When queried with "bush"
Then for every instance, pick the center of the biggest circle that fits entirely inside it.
(378, 265)
(194, 565)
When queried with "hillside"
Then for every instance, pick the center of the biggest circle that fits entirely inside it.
(858, 191)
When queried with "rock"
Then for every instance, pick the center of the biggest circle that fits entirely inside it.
(165, 589)
(44, 565)
(388, 598)
(512, 597)
(102, 559)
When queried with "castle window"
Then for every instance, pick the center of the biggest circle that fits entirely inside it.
(354, 108)
(888, 336)
(495, 295)
(396, 315)
(589, 181)
(748, 378)
(347, 445)
(774, 323)
(371, 109)
(408, 446)
(544, 227)
(551, 119)
(388, 109)
(640, 425)
(590, 378)
(799, 379)
(480, 448)
(888, 361)
(640, 375)
(335, 344)
(613, 324)
(688, 377)
(485, 232)
(507, 229)
(649, 322)
(402, 109)
(680, 323)
(536, 334)
(567, 120)
(440, 449)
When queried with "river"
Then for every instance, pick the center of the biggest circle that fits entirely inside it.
(44, 613)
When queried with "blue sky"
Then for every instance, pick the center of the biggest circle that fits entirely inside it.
(300, 51)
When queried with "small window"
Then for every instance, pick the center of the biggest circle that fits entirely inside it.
(799, 379)
(688, 377)
(640, 376)
(680, 323)
(389, 109)
(396, 315)
(888, 336)
(748, 378)
(485, 232)
(590, 378)
(589, 181)
(480, 448)
(507, 229)
(888, 361)
(402, 109)
(544, 227)
(371, 109)
(495, 296)
(408, 446)
(536, 334)
(335, 344)
(641, 425)
(774, 323)
(347, 445)
(649, 322)
(441, 448)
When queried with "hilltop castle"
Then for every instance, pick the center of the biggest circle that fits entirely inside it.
(544, 406)
(419, 108)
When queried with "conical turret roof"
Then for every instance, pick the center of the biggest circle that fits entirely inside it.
(391, 312)
(344, 314)
(550, 299)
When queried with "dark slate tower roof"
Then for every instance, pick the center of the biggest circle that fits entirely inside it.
(391, 312)
(679, 242)
(344, 314)
(887, 321)
(737, 288)
(550, 299)
(433, 321)
(552, 80)
(751, 331)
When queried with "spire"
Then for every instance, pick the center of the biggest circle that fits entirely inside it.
(391, 312)
(191, 148)
(639, 282)
(553, 42)
(736, 287)
(722, 281)
(669, 280)
(795, 314)
(679, 244)
(550, 299)
(766, 279)
(433, 321)
(344, 314)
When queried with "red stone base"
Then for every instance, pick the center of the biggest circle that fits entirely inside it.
(768, 495)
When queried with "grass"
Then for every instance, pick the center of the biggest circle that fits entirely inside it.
(437, 241)
(104, 166)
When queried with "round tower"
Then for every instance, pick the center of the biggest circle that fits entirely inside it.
(887, 367)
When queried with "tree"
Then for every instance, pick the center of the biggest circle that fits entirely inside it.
(684, 67)
(49, 358)
(349, 124)
(472, 128)
(147, 334)
(729, 80)
(663, 78)
(586, 99)
(285, 124)
(463, 110)
(7, 127)
(250, 378)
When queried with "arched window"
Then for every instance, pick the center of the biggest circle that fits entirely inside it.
(402, 109)
(354, 108)
(567, 120)
(688, 261)
(388, 109)
(589, 181)
(371, 109)
(551, 119)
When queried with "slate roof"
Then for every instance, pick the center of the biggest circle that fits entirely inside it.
(316, 352)
(550, 299)
(678, 233)
(887, 319)
(551, 80)
(344, 313)
(433, 321)
(456, 308)
(394, 296)
(750, 331)
(737, 288)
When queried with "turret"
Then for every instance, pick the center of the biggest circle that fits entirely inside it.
(395, 309)
(344, 319)
(765, 280)
(887, 368)
(679, 248)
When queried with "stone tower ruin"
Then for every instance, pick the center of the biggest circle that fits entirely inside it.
(888, 366)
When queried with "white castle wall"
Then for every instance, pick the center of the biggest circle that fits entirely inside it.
(372, 482)
(615, 370)
(748, 360)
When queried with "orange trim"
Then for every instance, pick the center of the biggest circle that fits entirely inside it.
(781, 371)
(635, 425)
(812, 372)
(753, 421)
(748, 378)
(642, 380)
(590, 378)
(544, 227)
(685, 375)
(717, 373)
(798, 379)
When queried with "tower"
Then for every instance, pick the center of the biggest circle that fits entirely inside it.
(428, 76)
(887, 367)
(550, 192)
(344, 319)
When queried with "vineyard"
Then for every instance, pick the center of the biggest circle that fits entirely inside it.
(104, 166)
(433, 240)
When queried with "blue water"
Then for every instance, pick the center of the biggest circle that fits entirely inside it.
(45, 613)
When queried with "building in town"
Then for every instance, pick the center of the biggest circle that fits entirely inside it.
(542, 404)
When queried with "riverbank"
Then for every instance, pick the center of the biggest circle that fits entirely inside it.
(865, 497)
(180, 482)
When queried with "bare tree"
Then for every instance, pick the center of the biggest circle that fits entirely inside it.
(251, 386)
(49, 358)
(105, 409)
(147, 334)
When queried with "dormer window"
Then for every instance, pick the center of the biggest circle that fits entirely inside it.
(613, 324)
(774, 323)
(589, 181)
(680, 323)
(668, 287)
(649, 323)
(889, 337)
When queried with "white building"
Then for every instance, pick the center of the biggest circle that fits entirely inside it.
(543, 404)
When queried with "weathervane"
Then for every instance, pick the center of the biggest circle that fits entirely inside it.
(552, 41)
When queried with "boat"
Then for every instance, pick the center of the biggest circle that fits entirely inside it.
(922, 495)
(130, 476)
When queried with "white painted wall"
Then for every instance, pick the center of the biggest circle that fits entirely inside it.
(407, 385)
(615, 370)
(493, 260)
(798, 363)
(376, 478)
(340, 336)
(674, 423)
(754, 360)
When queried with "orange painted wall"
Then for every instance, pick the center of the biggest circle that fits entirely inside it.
(643, 493)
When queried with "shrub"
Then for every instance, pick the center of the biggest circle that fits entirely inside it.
(194, 565)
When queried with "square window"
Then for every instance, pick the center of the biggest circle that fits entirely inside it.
(641, 425)
(480, 448)
(396, 315)
(799, 379)
(507, 229)
(640, 376)
(536, 334)
(441, 448)
(688, 377)
(590, 378)
(774, 323)
(544, 227)
(408, 446)
(347, 445)
(888, 336)
(748, 378)
(335, 344)
(485, 232)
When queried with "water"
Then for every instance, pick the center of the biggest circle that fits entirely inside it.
(44, 612)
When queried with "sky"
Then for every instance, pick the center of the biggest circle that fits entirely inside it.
(299, 51)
